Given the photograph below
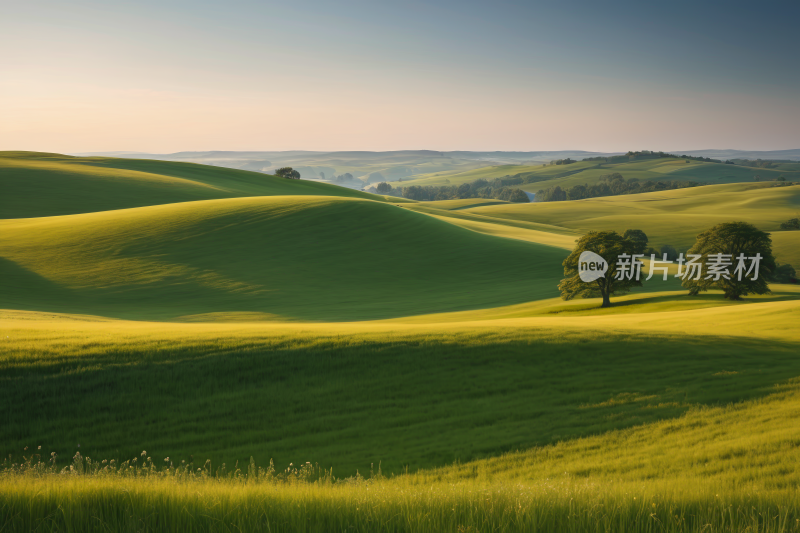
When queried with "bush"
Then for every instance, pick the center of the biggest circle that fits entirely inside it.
(288, 172)
(792, 223)
(784, 274)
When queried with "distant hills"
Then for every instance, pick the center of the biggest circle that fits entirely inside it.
(37, 184)
(792, 155)
(359, 169)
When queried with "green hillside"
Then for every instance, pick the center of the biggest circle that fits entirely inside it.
(281, 257)
(36, 184)
(347, 395)
(668, 217)
(590, 172)
(234, 315)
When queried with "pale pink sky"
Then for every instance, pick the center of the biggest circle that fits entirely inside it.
(88, 77)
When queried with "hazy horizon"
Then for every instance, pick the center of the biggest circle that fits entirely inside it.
(157, 77)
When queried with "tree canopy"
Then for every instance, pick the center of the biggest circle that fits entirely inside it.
(735, 257)
(610, 246)
(610, 185)
(288, 172)
(638, 237)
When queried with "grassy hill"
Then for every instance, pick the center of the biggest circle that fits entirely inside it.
(361, 164)
(669, 217)
(590, 172)
(205, 313)
(37, 184)
(282, 257)
(403, 394)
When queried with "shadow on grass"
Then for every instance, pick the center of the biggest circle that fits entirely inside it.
(345, 401)
(680, 301)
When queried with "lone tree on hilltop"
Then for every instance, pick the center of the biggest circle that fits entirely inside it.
(384, 188)
(288, 172)
(736, 258)
(609, 245)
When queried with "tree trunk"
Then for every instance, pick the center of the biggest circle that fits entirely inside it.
(606, 300)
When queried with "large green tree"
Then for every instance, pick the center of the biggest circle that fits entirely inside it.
(729, 254)
(610, 246)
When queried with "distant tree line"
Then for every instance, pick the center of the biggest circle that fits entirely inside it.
(480, 188)
(566, 161)
(346, 178)
(610, 185)
(780, 180)
(791, 224)
(518, 179)
(647, 154)
(758, 163)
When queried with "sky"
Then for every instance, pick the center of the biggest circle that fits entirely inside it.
(165, 76)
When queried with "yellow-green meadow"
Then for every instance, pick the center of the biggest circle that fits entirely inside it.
(186, 348)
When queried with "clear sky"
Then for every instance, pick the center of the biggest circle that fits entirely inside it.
(165, 76)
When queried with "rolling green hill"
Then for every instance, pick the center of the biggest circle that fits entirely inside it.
(205, 313)
(280, 257)
(668, 217)
(590, 172)
(37, 184)
(399, 393)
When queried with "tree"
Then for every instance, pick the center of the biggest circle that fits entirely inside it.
(384, 188)
(733, 240)
(518, 196)
(784, 274)
(638, 237)
(415, 192)
(670, 251)
(792, 223)
(322, 175)
(609, 245)
(288, 172)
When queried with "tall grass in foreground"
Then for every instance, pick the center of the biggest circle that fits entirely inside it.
(88, 497)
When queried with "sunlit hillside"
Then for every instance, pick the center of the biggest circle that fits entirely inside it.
(403, 366)
(279, 257)
(670, 217)
(538, 177)
(38, 185)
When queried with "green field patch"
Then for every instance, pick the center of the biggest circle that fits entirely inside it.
(350, 395)
(35, 184)
(294, 257)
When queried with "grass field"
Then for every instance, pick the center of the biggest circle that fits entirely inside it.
(594, 401)
(424, 341)
(670, 217)
(284, 257)
(273, 390)
(41, 185)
